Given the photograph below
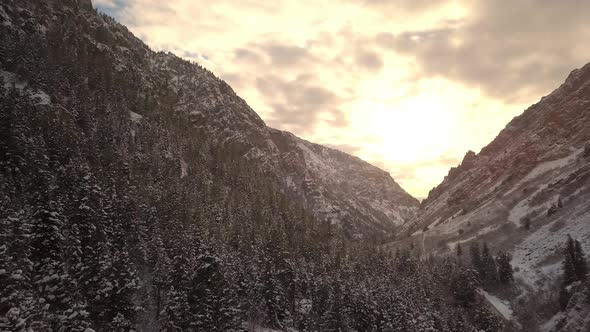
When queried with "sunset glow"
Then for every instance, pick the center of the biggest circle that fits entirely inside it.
(407, 85)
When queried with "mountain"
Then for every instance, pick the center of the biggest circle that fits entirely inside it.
(524, 192)
(138, 192)
(336, 187)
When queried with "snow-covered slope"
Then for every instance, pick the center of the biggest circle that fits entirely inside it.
(525, 191)
(339, 187)
(334, 186)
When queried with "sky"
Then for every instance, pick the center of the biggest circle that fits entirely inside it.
(407, 85)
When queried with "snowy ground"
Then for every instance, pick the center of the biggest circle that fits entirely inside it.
(10, 80)
(550, 324)
(529, 257)
(503, 307)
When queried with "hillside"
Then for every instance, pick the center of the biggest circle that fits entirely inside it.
(323, 180)
(525, 192)
(535, 172)
(140, 193)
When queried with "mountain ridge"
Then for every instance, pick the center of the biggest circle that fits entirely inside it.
(219, 117)
(532, 178)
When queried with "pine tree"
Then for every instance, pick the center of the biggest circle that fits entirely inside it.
(211, 298)
(176, 313)
(580, 264)
(570, 273)
(475, 254)
(488, 271)
(486, 321)
(569, 267)
(505, 272)
(464, 286)
(49, 273)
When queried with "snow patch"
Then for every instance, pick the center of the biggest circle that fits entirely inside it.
(550, 324)
(502, 306)
(183, 168)
(529, 257)
(10, 80)
(5, 18)
(135, 118)
(41, 97)
(548, 166)
(452, 245)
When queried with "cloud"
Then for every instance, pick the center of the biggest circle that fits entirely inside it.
(285, 55)
(511, 52)
(408, 5)
(397, 82)
(298, 104)
(105, 3)
(248, 56)
(369, 60)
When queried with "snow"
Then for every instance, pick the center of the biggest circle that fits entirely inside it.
(529, 257)
(453, 244)
(522, 208)
(502, 306)
(11, 80)
(5, 18)
(290, 183)
(313, 161)
(304, 306)
(551, 165)
(16, 276)
(42, 97)
(550, 324)
(183, 168)
(545, 167)
(135, 118)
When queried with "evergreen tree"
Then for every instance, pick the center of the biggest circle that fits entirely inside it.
(176, 313)
(210, 298)
(486, 321)
(569, 267)
(505, 272)
(464, 285)
(574, 269)
(488, 270)
(580, 264)
(475, 255)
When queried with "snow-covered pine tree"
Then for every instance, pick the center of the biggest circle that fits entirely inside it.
(489, 270)
(176, 313)
(476, 260)
(505, 272)
(210, 297)
(569, 267)
(580, 264)
(464, 285)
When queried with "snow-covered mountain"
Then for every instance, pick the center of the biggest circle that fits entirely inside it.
(525, 191)
(334, 186)
(139, 193)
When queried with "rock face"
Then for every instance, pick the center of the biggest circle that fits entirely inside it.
(334, 186)
(339, 187)
(525, 191)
